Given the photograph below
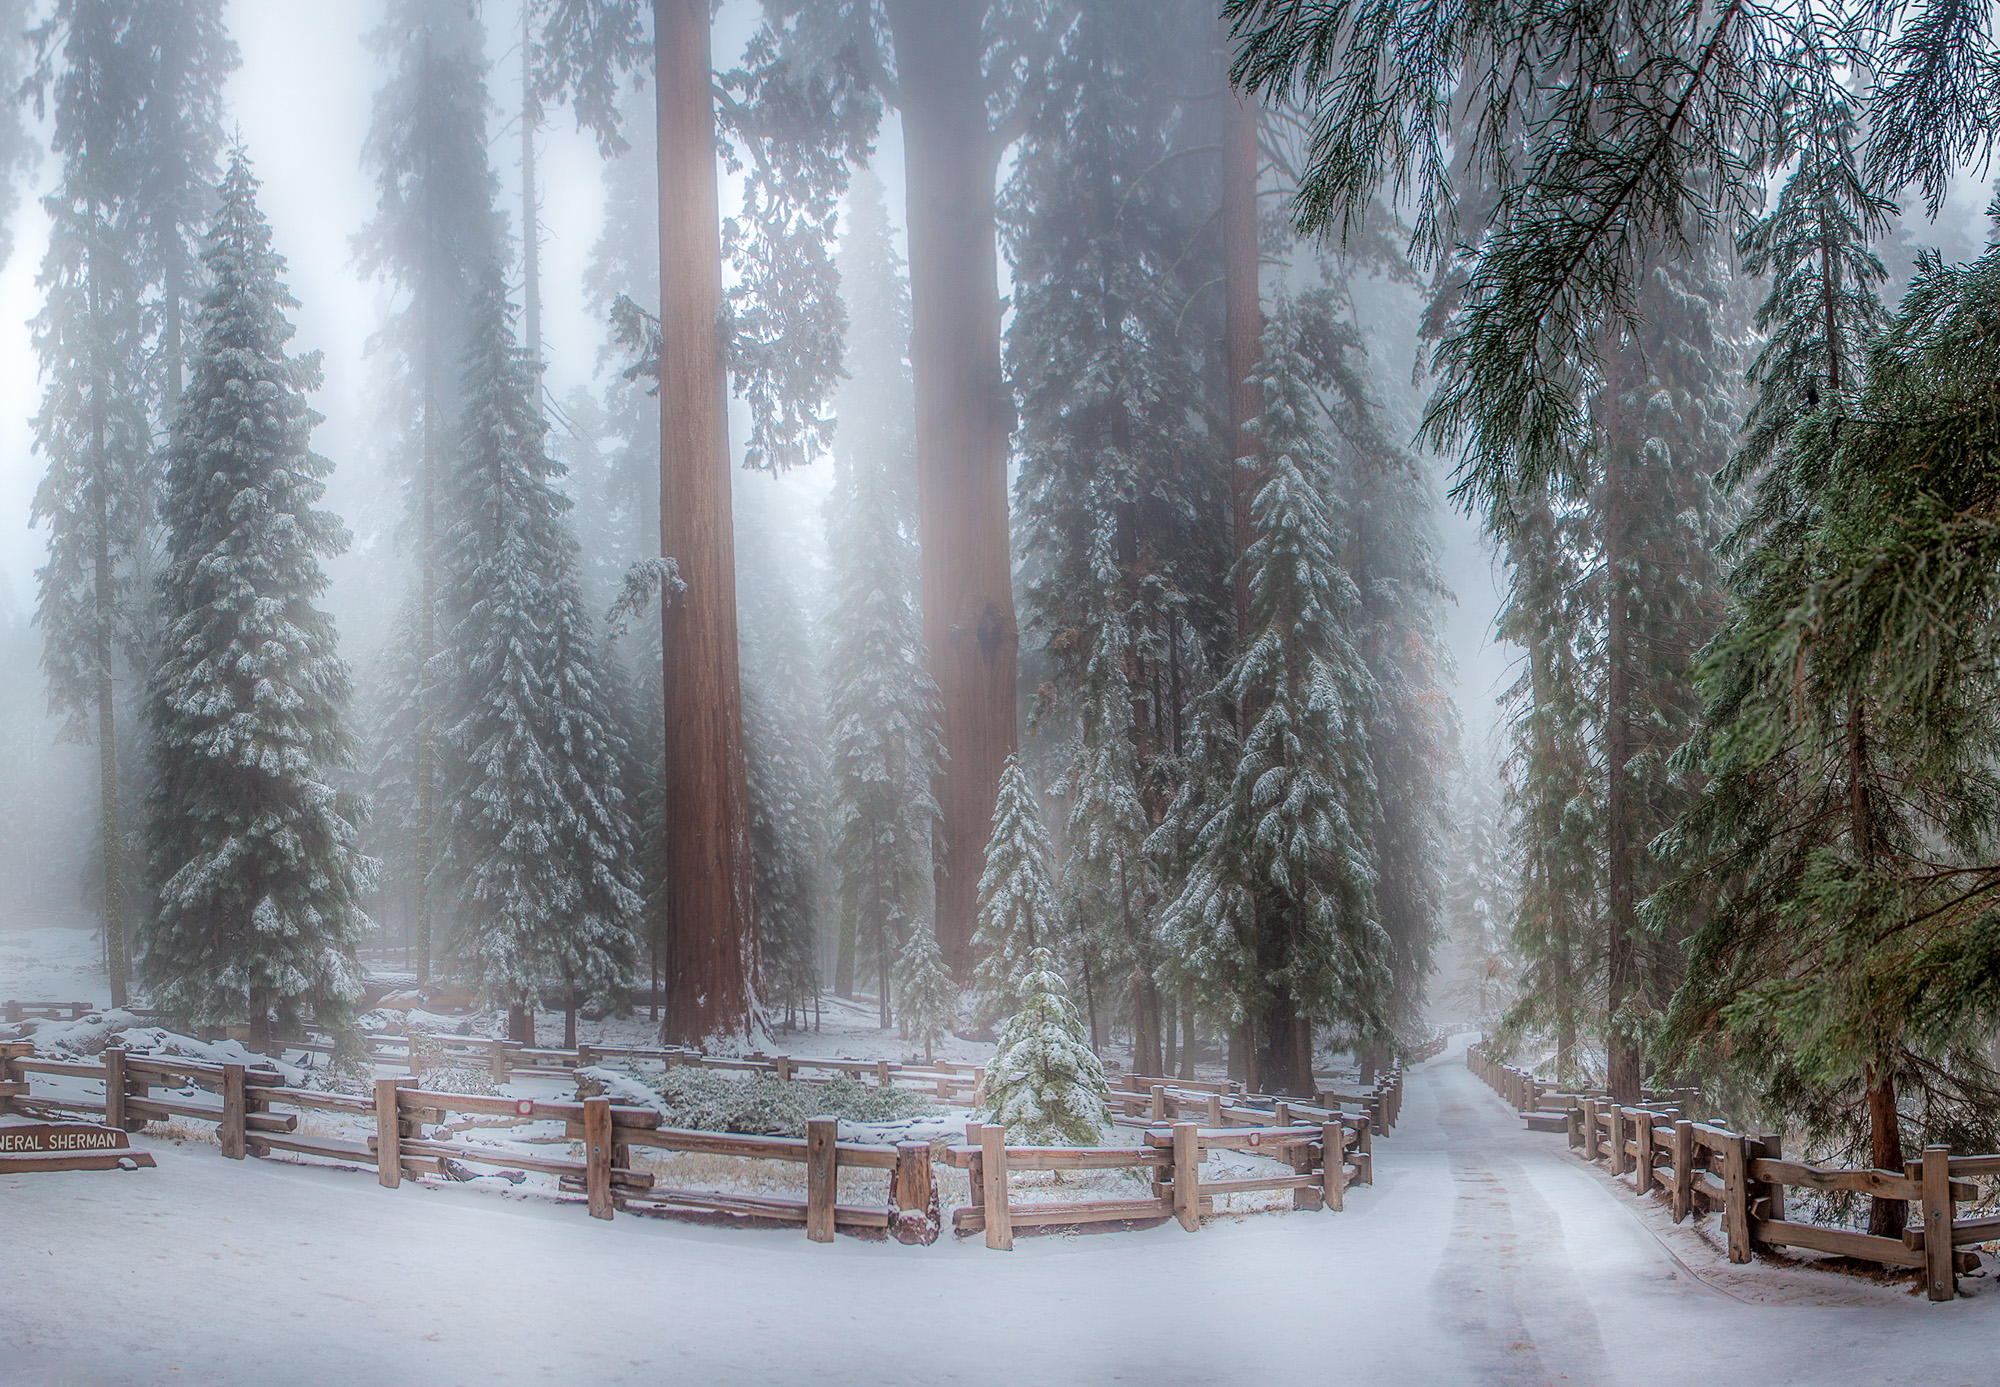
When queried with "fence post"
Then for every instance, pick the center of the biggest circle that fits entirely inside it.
(993, 1175)
(1642, 1161)
(388, 1134)
(1736, 1195)
(975, 1168)
(113, 1060)
(1769, 1146)
(822, 1177)
(1215, 1110)
(914, 1189)
(597, 1156)
(1159, 1106)
(882, 1075)
(229, 1132)
(1940, 1276)
(1683, 1169)
(12, 1085)
(1333, 1163)
(1187, 1175)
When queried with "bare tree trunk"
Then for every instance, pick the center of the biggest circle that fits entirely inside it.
(521, 1023)
(569, 1016)
(710, 906)
(1886, 1217)
(963, 421)
(111, 833)
(1622, 844)
(531, 204)
(1190, 1038)
(1243, 326)
(843, 959)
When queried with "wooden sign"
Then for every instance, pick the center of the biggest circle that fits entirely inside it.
(60, 1136)
(44, 1146)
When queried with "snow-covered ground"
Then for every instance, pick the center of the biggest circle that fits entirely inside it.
(1482, 1255)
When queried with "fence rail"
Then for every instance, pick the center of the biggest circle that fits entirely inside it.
(255, 1114)
(1705, 1168)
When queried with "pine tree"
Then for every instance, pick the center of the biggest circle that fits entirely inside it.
(540, 845)
(1816, 838)
(1554, 776)
(927, 998)
(1121, 472)
(254, 856)
(1275, 915)
(1017, 902)
(782, 713)
(435, 234)
(882, 711)
(94, 430)
(1044, 1084)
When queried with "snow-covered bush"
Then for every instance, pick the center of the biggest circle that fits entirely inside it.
(762, 1106)
(1045, 1084)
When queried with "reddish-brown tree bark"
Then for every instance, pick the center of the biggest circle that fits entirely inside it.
(710, 909)
(963, 420)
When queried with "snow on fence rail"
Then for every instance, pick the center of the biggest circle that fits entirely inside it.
(1701, 1167)
(256, 1113)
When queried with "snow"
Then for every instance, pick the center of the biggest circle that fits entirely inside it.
(1483, 1254)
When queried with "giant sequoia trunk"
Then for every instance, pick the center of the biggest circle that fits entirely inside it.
(963, 420)
(710, 910)
(1242, 326)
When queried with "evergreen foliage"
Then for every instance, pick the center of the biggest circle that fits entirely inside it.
(1018, 912)
(254, 855)
(884, 746)
(1044, 1084)
(1275, 919)
(927, 998)
(1842, 845)
(540, 844)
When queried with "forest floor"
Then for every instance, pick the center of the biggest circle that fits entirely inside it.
(1483, 1255)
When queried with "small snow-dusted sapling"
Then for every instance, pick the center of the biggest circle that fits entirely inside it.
(1045, 1084)
(929, 997)
(1017, 898)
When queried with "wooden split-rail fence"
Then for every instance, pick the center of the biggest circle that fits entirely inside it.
(1706, 1168)
(255, 1113)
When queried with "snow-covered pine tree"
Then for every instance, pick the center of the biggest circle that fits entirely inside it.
(882, 708)
(540, 849)
(782, 712)
(94, 425)
(1108, 887)
(1554, 794)
(1120, 486)
(1018, 912)
(254, 856)
(927, 998)
(1816, 834)
(1275, 917)
(1045, 1084)
(435, 233)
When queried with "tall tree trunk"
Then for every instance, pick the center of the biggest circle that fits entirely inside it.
(1242, 327)
(843, 959)
(1886, 1217)
(521, 1023)
(881, 972)
(111, 833)
(710, 905)
(531, 204)
(963, 421)
(259, 1035)
(1190, 1038)
(569, 1016)
(1622, 837)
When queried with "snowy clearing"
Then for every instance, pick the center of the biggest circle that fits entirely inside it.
(1482, 1255)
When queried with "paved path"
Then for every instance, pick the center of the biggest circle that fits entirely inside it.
(1483, 1255)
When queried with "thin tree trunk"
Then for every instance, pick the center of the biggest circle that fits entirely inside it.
(569, 1017)
(843, 959)
(1886, 1217)
(710, 905)
(1190, 1038)
(882, 973)
(110, 829)
(1243, 328)
(1622, 839)
(521, 1023)
(963, 422)
(531, 205)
